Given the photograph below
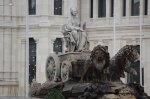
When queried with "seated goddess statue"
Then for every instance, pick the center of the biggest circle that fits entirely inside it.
(75, 36)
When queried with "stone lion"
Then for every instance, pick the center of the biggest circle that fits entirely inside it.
(96, 68)
(121, 62)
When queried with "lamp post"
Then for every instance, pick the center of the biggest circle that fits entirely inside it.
(27, 50)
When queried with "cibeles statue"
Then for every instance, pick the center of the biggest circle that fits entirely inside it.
(74, 33)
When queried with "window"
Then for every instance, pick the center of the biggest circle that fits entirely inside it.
(32, 7)
(136, 66)
(124, 7)
(145, 7)
(32, 59)
(57, 45)
(112, 8)
(57, 7)
(91, 5)
(135, 7)
(101, 8)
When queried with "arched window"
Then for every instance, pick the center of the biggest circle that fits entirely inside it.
(57, 7)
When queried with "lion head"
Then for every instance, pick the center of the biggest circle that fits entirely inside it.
(100, 56)
(96, 67)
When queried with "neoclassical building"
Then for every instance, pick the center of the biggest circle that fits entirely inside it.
(103, 19)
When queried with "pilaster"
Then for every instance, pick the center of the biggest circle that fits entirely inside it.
(22, 69)
(1, 50)
(148, 10)
(107, 11)
(85, 10)
(14, 53)
(38, 59)
(128, 10)
(7, 51)
(65, 7)
(95, 8)
(7, 10)
(117, 11)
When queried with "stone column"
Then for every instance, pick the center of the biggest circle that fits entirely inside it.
(7, 10)
(1, 11)
(148, 10)
(51, 8)
(128, 10)
(44, 11)
(95, 8)
(38, 59)
(117, 11)
(141, 10)
(1, 57)
(1, 51)
(22, 68)
(18, 9)
(23, 8)
(65, 7)
(44, 7)
(14, 53)
(7, 51)
(43, 52)
(85, 10)
(107, 11)
(14, 10)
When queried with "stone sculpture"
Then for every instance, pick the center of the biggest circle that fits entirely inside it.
(92, 68)
(121, 62)
(96, 68)
(74, 33)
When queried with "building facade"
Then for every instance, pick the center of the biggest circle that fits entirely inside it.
(45, 20)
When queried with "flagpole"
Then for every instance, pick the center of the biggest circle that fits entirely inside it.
(114, 35)
(141, 47)
(27, 50)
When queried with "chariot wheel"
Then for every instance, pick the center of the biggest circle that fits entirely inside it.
(66, 71)
(52, 69)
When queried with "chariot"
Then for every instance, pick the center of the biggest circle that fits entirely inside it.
(66, 66)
